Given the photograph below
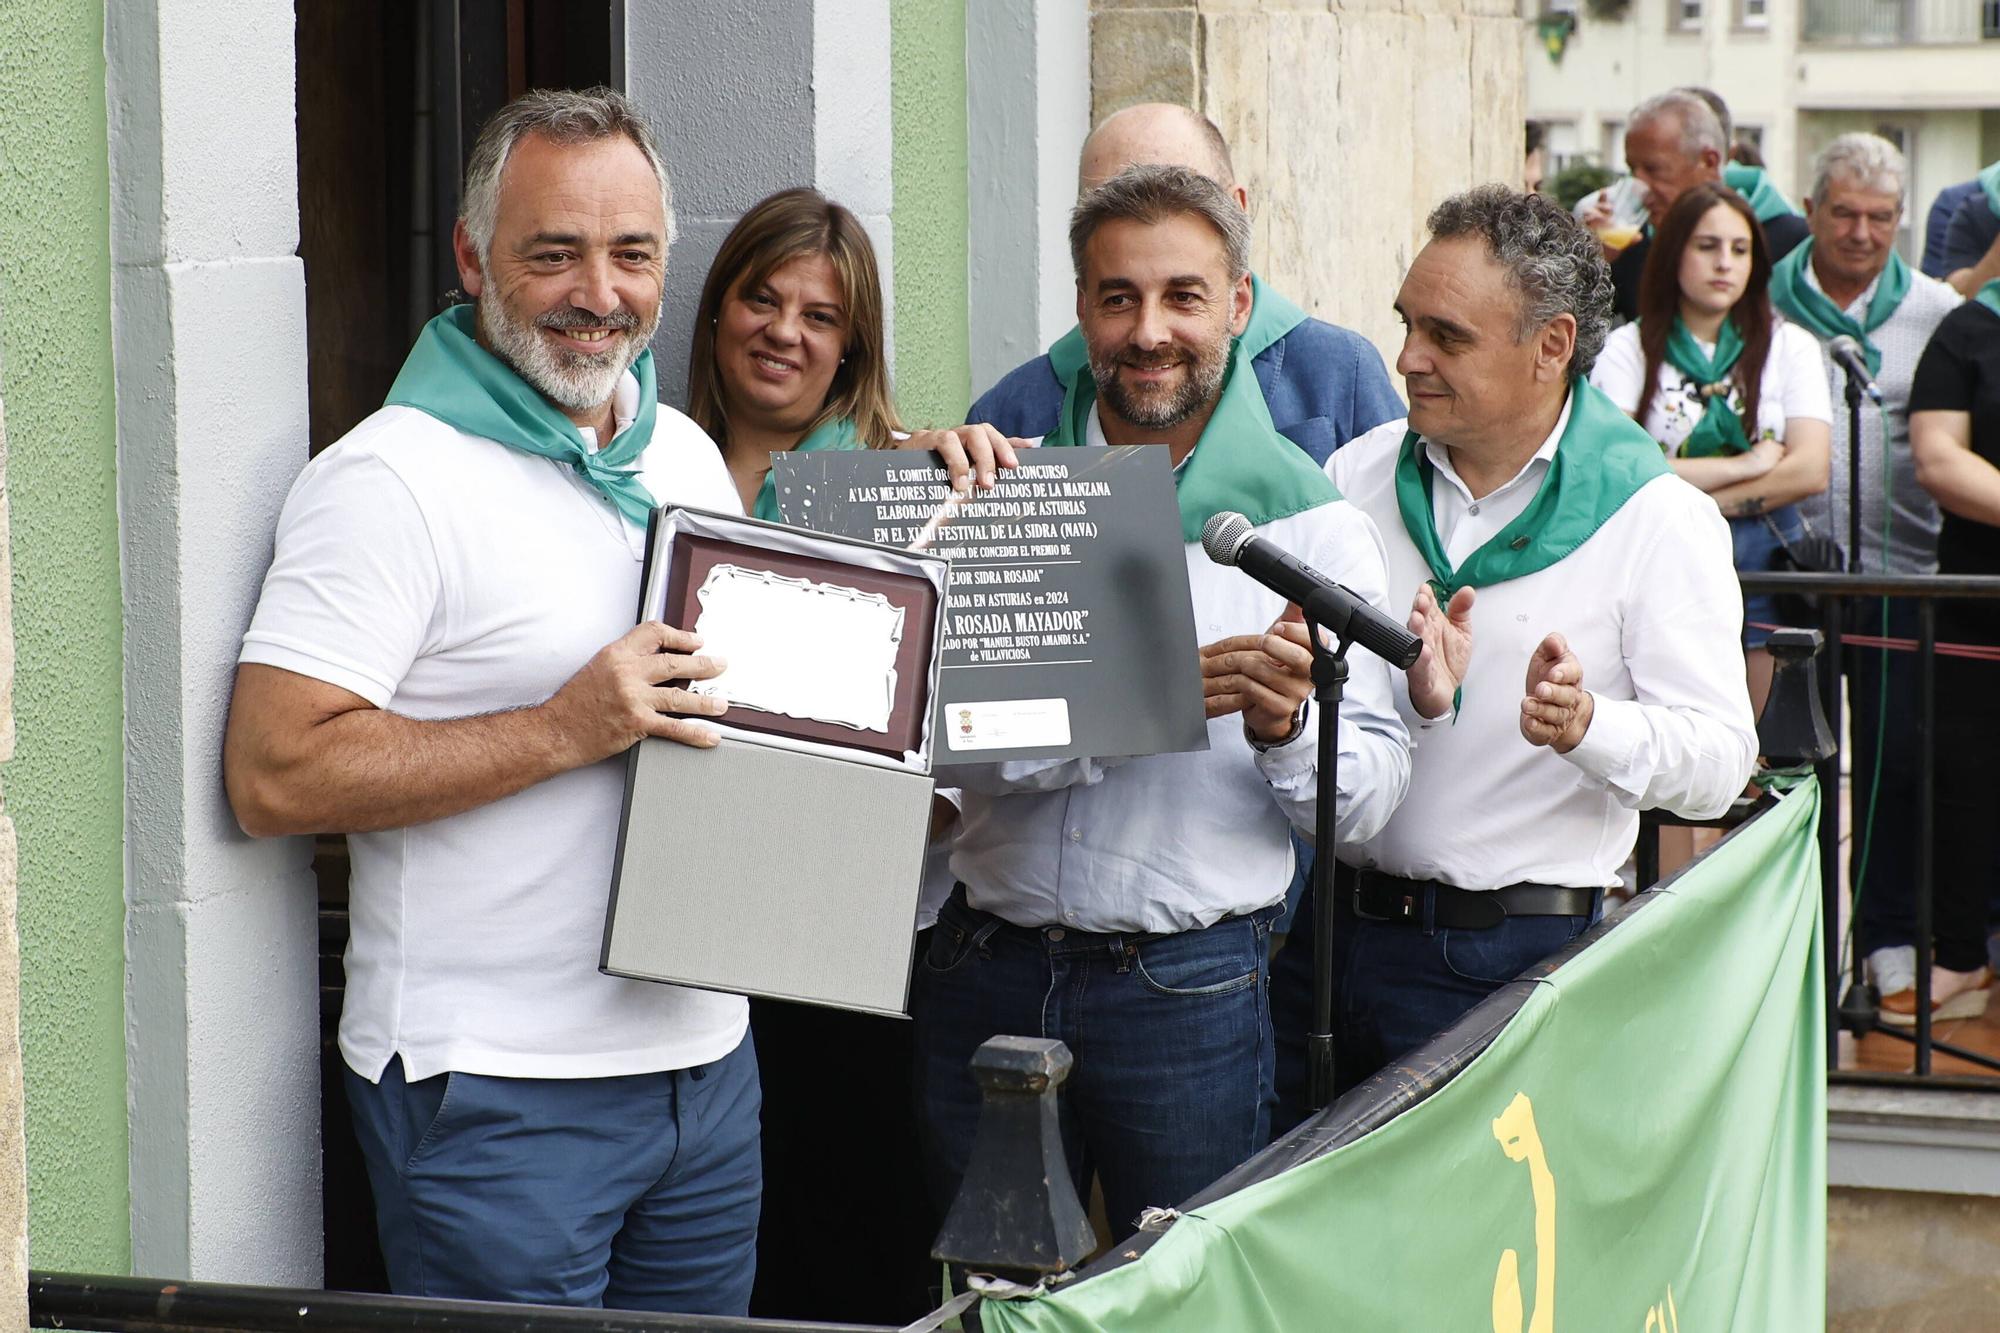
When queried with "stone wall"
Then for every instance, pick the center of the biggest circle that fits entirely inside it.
(1347, 122)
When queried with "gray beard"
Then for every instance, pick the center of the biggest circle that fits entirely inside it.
(1155, 411)
(578, 381)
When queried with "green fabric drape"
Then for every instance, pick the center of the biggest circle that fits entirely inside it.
(1720, 430)
(1241, 462)
(1754, 184)
(1601, 461)
(448, 375)
(1805, 304)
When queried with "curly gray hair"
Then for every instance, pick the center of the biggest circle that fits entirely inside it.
(1550, 257)
(562, 117)
(1150, 194)
(1866, 160)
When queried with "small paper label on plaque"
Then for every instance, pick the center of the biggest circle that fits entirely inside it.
(1007, 724)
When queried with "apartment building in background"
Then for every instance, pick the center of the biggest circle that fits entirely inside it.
(1923, 73)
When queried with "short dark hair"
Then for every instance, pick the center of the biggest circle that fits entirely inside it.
(1550, 257)
(1151, 194)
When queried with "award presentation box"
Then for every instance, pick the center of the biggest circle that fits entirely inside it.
(787, 861)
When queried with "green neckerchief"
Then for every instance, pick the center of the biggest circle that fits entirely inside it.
(1755, 186)
(1601, 461)
(1805, 304)
(1989, 296)
(1989, 181)
(451, 377)
(837, 433)
(1720, 430)
(1240, 462)
(1271, 318)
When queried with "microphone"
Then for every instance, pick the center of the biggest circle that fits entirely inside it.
(1229, 541)
(1847, 354)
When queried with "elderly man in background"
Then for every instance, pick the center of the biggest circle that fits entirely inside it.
(1525, 511)
(1849, 280)
(1322, 384)
(1124, 906)
(1673, 141)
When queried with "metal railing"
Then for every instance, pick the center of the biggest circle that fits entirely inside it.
(1852, 1004)
(1898, 22)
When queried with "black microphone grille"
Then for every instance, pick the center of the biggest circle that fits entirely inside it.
(1223, 536)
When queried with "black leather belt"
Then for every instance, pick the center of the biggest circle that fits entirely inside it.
(1412, 902)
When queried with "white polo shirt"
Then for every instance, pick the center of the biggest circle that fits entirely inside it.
(1650, 606)
(440, 575)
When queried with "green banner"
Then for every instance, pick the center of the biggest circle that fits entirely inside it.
(1642, 1148)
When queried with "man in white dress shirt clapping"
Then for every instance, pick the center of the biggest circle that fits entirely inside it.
(1580, 615)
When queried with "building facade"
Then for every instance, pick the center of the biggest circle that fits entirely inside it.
(1796, 73)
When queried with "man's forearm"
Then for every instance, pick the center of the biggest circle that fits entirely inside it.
(368, 769)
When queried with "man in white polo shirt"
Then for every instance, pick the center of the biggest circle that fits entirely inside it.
(442, 665)
(1607, 673)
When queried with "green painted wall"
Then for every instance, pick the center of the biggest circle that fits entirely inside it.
(933, 352)
(65, 786)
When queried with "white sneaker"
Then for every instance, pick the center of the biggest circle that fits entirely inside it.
(1893, 969)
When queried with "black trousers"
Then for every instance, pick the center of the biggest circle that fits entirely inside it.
(1967, 870)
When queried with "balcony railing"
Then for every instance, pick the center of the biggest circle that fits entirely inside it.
(1899, 22)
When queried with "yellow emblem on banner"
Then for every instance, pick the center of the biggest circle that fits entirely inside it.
(1515, 1129)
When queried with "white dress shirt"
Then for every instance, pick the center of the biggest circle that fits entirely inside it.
(1649, 605)
(1178, 841)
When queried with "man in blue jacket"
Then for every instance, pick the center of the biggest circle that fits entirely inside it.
(1323, 384)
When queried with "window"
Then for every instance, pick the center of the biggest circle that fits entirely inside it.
(1905, 138)
(1684, 15)
(1611, 137)
(1754, 14)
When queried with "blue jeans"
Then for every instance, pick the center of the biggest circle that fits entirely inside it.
(1171, 1034)
(1395, 987)
(1757, 539)
(636, 1193)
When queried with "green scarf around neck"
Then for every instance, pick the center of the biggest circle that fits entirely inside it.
(837, 433)
(1989, 184)
(1720, 430)
(448, 375)
(1805, 304)
(1989, 296)
(1271, 318)
(1754, 184)
(1601, 461)
(1241, 462)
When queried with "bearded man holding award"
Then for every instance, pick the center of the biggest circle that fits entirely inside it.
(443, 665)
(1525, 512)
(1124, 905)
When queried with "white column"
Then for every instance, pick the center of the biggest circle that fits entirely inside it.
(1028, 111)
(208, 301)
(13, 1134)
(853, 141)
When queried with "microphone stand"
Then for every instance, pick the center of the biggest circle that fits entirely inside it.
(1854, 473)
(1329, 678)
